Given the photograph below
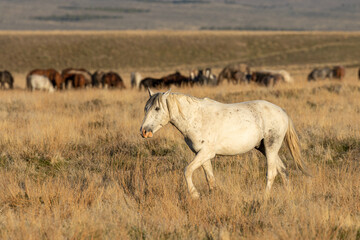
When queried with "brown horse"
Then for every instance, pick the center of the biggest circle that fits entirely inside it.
(112, 80)
(235, 73)
(6, 77)
(339, 72)
(151, 83)
(80, 81)
(174, 79)
(76, 80)
(68, 75)
(53, 75)
(266, 78)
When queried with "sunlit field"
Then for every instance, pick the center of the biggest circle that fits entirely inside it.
(74, 166)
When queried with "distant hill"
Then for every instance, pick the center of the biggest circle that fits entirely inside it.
(296, 15)
(174, 50)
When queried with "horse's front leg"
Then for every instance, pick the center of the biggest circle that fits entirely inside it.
(209, 174)
(201, 157)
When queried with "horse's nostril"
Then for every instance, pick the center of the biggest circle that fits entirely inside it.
(149, 134)
(146, 134)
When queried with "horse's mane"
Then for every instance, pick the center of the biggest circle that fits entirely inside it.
(178, 100)
(188, 98)
(180, 103)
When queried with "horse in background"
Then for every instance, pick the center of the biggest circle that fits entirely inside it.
(285, 75)
(320, 74)
(339, 72)
(80, 81)
(69, 76)
(40, 82)
(76, 80)
(175, 79)
(96, 78)
(201, 78)
(6, 78)
(112, 80)
(211, 78)
(235, 73)
(135, 79)
(53, 75)
(150, 83)
(265, 78)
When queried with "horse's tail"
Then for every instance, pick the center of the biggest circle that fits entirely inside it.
(292, 141)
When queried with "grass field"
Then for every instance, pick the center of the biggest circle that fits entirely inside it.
(73, 164)
(170, 50)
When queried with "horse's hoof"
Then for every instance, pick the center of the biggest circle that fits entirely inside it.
(195, 195)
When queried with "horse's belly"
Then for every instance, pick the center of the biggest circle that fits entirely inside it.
(237, 142)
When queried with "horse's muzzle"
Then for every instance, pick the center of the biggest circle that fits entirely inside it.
(146, 134)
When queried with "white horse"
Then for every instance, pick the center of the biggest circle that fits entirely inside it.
(285, 74)
(40, 82)
(135, 79)
(210, 127)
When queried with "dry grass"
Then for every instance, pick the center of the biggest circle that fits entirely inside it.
(73, 166)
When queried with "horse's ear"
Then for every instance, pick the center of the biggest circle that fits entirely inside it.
(167, 93)
(150, 92)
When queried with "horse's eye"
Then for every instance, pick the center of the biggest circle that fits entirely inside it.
(157, 109)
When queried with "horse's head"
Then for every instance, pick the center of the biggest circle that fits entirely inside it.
(156, 114)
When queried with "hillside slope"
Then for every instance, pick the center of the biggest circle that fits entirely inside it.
(159, 50)
(180, 15)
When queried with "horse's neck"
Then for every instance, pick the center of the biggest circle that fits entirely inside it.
(182, 112)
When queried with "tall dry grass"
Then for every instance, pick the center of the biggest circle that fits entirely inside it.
(73, 166)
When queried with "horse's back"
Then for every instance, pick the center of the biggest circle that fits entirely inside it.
(239, 127)
(266, 116)
(270, 113)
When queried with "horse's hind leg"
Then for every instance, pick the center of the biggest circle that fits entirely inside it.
(275, 165)
(283, 172)
(209, 174)
(271, 171)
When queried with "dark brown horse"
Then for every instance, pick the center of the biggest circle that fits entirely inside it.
(6, 77)
(266, 78)
(53, 75)
(96, 78)
(339, 72)
(174, 79)
(151, 83)
(112, 80)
